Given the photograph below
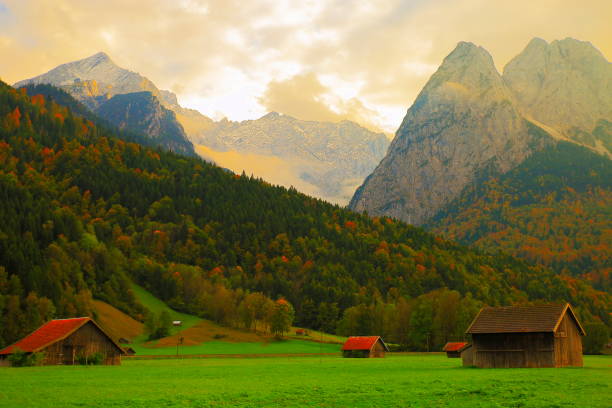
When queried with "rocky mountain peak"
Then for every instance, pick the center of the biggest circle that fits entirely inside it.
(271, 116)
(565, 84)
(98, 58)
(464, 119)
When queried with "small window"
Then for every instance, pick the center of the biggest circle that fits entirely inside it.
(561, 334)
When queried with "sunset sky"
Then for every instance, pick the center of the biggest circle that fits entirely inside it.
(316, 60)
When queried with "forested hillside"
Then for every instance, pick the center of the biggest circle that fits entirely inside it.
(83, 213)
(554, 209)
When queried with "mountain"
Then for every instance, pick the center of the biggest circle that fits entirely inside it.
(464, 122)
(547, 202)
(325, 159)
(470, 122)
(552, 209)
(142, 112)
(566, 88)
(83, 214)
(96, 80)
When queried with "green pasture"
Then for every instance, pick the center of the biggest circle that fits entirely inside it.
(396, 381)
(157, 306)
(221, 347)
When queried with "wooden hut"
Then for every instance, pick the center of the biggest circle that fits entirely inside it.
(526, 336)
(453, 350)
(66, 341)
(365, 347)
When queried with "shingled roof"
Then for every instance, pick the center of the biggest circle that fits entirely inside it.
(456, 346)
(521, 319)
(52, 332)
(362, 343)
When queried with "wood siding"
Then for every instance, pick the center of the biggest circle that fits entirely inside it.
(467, 356)
(453, 354)
(508, 350)
(568, 343)
(377, 351)
(85, 341)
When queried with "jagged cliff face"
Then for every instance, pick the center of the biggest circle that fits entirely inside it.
(143, 113)
(100, 85)
(333, 158)
(565, 85)
(469, 120)
(464, 120)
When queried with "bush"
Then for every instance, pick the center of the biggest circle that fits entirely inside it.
(595, 339)
(21, 358)
(92, 359)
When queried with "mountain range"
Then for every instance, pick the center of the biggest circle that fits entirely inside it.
(124, 98)
(324, 159)
(327, 160)
(470, 122)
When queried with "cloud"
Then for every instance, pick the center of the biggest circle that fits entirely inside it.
(305, 97)
(227, 57)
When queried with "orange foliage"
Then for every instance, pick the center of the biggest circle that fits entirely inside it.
(38, 100)
(14, 117)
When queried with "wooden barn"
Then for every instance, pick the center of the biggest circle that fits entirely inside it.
(454, 350)
(365, 347)
(65, 341)
(526, 336)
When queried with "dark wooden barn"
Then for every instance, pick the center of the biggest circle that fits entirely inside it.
(526, 336)
(65, 341)
(366, 347)
(454, 350)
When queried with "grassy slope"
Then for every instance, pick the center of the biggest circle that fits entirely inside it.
(116, 323)
(397, 381)
(199, 336)
(157, 306)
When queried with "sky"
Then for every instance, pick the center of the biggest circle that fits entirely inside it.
(316, 60)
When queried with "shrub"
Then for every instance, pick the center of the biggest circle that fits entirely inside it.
(92, 359)
(20, 358)
(595, 339)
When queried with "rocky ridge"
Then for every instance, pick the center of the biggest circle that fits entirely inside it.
(469, 121)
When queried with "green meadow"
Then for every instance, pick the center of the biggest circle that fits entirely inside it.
(223, 347)
(396, 381)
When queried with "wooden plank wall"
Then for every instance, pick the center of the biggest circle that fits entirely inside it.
(507, 350)
(86, 341)
(377, 350)
(568, 344)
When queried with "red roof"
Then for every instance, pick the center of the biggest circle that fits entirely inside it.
(458, 346)
(362, 343)
(49, 333)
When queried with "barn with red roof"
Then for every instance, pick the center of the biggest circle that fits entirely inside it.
(454, 349)
(364, 346)
(68, 341)
(526, 336)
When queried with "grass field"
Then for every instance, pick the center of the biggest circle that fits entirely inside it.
(225, 347)
(396, 381)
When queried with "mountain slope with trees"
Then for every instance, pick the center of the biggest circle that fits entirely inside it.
(553, 209)
(83, 214)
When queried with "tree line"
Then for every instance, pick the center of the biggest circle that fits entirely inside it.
(85, 212)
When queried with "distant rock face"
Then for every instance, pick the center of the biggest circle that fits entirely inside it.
(97, 81)
(143, 113)
(565, 85)
(333, 157)
(469, 120)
